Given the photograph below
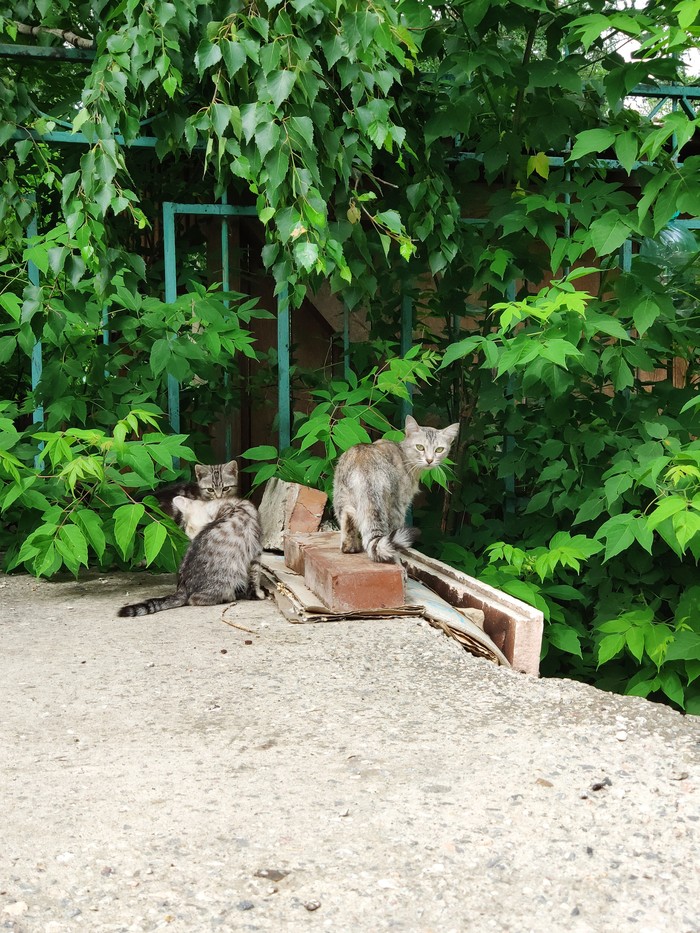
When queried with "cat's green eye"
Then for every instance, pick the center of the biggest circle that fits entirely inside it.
(439, 450)
(420, 447)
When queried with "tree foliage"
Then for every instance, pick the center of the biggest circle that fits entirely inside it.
(487, 161)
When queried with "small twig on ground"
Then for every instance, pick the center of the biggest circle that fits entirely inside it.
(233, 624)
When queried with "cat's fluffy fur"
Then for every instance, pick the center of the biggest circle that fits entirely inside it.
(219, 481)
(222, 562)
(374, 485)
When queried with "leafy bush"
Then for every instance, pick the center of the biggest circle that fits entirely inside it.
(602, 465)
(68, 498)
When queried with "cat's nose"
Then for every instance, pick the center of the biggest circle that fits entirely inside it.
(428, 459)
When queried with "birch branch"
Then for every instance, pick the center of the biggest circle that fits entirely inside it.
(65, 34)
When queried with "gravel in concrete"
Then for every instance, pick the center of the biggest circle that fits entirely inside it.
(179, 773)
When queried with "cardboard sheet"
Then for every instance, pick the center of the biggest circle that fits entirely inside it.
(299, 605)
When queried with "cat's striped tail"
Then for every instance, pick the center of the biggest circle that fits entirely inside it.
(156, 604)
(384, 549)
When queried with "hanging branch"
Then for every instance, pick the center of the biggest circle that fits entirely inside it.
(527, 55)
(65, 34)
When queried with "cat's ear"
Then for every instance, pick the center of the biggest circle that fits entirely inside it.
(200, 470)
(182, 504)
(411, 425)
(231, 468)
(450, 433)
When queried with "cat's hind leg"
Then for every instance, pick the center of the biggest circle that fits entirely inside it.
(206, 599)
(254, 579)
(350, 539)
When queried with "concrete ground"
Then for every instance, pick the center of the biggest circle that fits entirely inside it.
(179, 773)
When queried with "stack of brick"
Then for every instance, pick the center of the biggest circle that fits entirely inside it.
(351, 583)
(343, 582)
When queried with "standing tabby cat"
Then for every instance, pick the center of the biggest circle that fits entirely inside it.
(221, 564)
(375, 484)
(219, 481)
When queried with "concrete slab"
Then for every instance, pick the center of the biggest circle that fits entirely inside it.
(178, 772)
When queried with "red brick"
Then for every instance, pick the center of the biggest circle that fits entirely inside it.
(295, 546)
(304, 509)
(289, 507)
(352, 582)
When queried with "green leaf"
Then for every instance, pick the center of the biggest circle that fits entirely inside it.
(264, 473)
(634, 636)
(656, 638)
(665, 509)
(304, 129)
(126, 519)
(161, 352)
(206, 56)
(564, 638)
(643, 688)
(23, 148)
(347, 433)
(618, 533)
(590, 510)
(266, 137)
(138, 458)
(591, 141)
(279, 85)
(643, 533)
(221, 118)
(263, 452)
(457, 351)
(47, 561)
(8, 345)
(306, 254)
(684, 647)
(277, 165)
(645, 313)
(686, 525)
(91, 524)
(391, 219)
(693, 403)
(608, 233)
(672, 687)
(626, 148)
(153, 539)
(610, 647)
(234, 56)
(71, 541)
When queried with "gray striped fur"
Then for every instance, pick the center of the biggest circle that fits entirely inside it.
(374, 485)
(222, 562)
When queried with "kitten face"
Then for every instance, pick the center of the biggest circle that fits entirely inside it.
(426, 447)
(219, 481)
(196, 513)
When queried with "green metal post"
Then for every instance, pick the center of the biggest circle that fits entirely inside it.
(37, 361)
(225, 284)
(283, 362)
(170, 296)
(406, 341)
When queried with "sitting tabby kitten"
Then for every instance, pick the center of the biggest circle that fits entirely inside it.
(221, 564)
(219, 481)
(374, 485)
